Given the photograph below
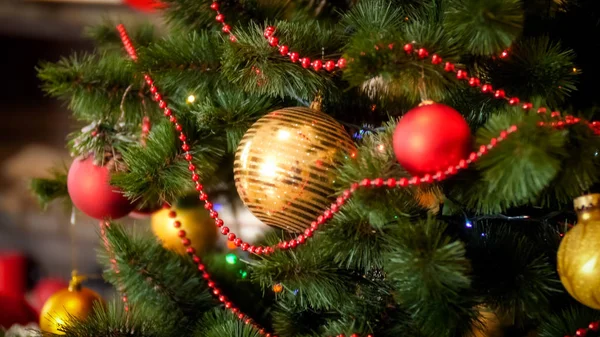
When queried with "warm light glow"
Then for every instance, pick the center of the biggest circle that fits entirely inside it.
(283, 135)
(191, 99)
(231, 245)
(589, 267)
(380, 147)
(269, 167)
(574, 69)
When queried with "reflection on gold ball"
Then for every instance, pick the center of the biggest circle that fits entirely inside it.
(200, 229)
(285, 166)
(579, 254)
(74, 301)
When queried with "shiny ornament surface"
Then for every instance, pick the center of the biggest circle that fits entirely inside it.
(91, 192)
(579, 253)
(200, 229)
(285, 166)
(76, 301)
(431, 137)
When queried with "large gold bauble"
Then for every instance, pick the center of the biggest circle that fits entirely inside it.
(199, 227)
(285, 166)
(579, 253)
(74, 301)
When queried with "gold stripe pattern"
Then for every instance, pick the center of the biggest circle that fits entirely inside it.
(284, 166)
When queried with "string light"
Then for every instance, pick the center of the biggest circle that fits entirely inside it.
(468, 224)
(191, 99)
(243, 273)
(231, 258)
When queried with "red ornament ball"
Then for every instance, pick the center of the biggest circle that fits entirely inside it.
(43, 290)
(430, 138)
(91, 192)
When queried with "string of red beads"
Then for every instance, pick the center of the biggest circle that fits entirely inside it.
(113, 261)
(220, 18)
(593, 326)
(305, 62)
(214, 289)
(146, 127)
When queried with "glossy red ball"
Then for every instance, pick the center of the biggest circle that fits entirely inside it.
(430, 138)
(43, 290)
(91, 192)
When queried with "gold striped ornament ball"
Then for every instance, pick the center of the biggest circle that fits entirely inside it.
(579, 253)
(285, 166)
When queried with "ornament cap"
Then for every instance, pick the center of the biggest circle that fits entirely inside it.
(426, 102)
(586, 202)
(317, 103)
(76, 280)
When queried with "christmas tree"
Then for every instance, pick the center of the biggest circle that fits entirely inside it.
(417, 160)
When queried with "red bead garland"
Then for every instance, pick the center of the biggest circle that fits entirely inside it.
(582, 332)
(220, 18)
(316, 65)
(113, 261)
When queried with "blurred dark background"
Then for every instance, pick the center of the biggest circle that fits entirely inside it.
(33, 128)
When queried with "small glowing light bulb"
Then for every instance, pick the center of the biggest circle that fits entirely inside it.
(574, 69)
(191, 99)
(380, 147)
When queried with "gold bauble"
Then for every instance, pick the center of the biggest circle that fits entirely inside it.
(285, 166)
(199, 227)
(579, 253)
(74, 301)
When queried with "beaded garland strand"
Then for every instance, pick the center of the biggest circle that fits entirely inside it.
(103, 226)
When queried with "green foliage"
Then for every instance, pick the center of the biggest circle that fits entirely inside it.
(107, 37)
(158, 172)
(231, 111)
(97, 87)
(567, 321)
(259, 68)
(484, 27)
(514, 275)
(430, 274)
(154, 277)
(536, 67)
(518, 169)
(49, 189)
(184, 64)
(220, 323)
(113, 321)
(320, 284)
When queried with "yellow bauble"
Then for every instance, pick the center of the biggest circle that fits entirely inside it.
(74, 301)
(200, 229)
(579, 253)
(285, 166)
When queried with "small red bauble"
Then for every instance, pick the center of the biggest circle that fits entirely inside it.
(430, 138)
(91, 192)
(43, 290)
